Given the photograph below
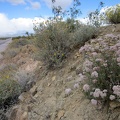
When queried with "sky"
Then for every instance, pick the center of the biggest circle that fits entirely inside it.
(18, 16)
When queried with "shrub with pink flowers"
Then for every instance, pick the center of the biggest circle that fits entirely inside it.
(101, 69)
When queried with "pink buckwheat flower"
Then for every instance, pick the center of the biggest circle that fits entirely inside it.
(97, 93)
(98, 60)
(94, 102)
(94, 54)
(118, 59)
(102, 94)
(88, 69)
(118, 53)
(96, 68)
(113, 48)
(68, 91)
(94, 74)
(82, 77)
(112, 97)
(94, 81)
(104, 90)
(81, 49)
(116, 90)
(76, 85)
(86, 87)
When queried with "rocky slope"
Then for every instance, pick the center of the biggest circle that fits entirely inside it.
(47, 100)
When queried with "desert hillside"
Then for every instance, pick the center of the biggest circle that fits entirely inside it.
(58, 94)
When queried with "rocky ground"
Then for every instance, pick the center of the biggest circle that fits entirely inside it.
(47, 100)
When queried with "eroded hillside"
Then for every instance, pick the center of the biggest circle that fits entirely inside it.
(58, 94)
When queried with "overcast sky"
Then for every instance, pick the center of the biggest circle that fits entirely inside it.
(17, 16)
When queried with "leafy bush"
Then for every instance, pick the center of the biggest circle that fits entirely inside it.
(8, 90)
(101, 70)
(83, 34)
(113, 14)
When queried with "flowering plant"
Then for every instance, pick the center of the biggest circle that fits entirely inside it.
(101, 69)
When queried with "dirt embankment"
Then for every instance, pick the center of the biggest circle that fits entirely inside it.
(47, 99)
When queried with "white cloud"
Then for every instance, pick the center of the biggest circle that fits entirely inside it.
(63, 3)
(34, 5)
(14, 2)
(14, 26)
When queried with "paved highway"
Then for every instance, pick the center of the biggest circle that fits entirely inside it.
(4, 44)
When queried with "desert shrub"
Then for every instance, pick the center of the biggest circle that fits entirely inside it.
(56, 38)
(7, 71)
(8, 90)
(53, 42)
(11, 53)
(3, 115)
(83, 34)
(8, 87)
(113, 14)
(23, 78)
(16, 43)
(101, 70)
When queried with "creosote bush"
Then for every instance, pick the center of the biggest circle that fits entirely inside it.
(113, 14)
(56, 38)
(101, 70)
(61, 33)
(53, 42)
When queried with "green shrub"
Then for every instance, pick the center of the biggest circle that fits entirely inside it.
(8, 90)
(53, 42)
(83, 34)
(113, 14)
(56, 38)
